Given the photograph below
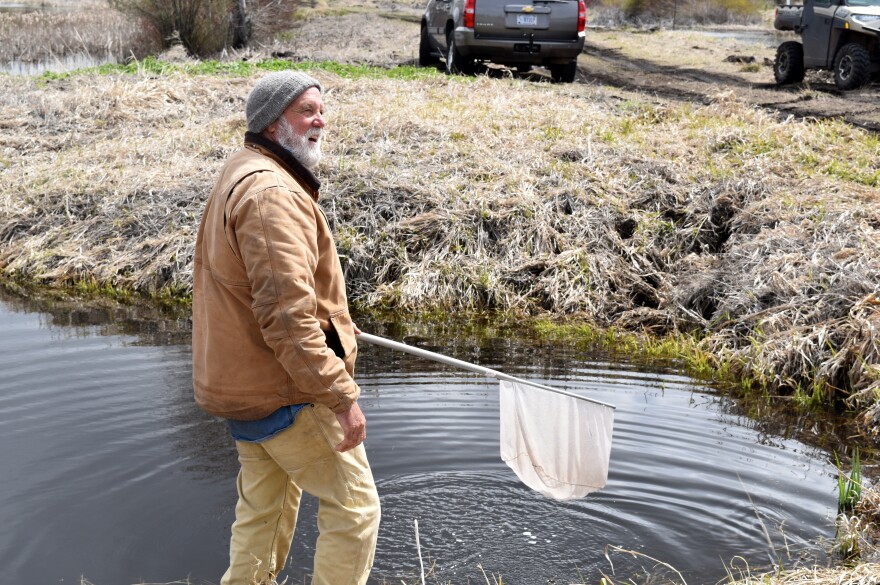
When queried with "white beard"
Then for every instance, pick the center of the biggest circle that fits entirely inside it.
(305, 151)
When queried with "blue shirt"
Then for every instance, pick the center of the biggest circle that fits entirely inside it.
(257, 431)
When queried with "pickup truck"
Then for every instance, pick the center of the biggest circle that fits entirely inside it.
(840, 35)
(514, 33)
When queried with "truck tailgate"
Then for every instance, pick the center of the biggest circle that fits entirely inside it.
(548, 19)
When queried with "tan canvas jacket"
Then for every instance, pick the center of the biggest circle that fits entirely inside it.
(268, 292)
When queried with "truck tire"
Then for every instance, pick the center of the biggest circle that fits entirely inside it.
(789, 64)
(456, 63)
(564, 73)
(852, 67)
(427, 57)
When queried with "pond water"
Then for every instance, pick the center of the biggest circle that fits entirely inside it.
(57, 64)
(40, 6)
(113, 474)
(762, 38)
(70, 59)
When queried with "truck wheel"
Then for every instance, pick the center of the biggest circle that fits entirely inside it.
(427, 58)
(564, 73)
(456, 62)
(789, 64)
(852, 67)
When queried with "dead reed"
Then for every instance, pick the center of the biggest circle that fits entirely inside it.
(93, 30)
(861, 574)
(453, 194)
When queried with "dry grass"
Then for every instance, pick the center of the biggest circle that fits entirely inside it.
(113, 175)
(858, 532)
(393, 38)
(489, 193)
(686, 49)
(862, 574)
(93, 30)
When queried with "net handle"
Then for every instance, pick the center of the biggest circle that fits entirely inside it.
(449, 361)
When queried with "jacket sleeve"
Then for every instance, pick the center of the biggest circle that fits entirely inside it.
(276, 230)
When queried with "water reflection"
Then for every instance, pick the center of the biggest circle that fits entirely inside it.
(66, 35)
(42, 6)
(57, 64)
(763, 38)
(112, 467)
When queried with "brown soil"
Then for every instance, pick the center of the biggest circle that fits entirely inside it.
(721, 66)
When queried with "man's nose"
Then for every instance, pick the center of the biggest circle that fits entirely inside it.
(318, 122)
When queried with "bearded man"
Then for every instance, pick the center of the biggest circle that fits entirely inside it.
(274, 346)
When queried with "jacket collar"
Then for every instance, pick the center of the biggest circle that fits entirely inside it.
(289, 162)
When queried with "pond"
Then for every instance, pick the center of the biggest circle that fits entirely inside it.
(111, 473)
(57, 64)
(762, 38)
(38, 37)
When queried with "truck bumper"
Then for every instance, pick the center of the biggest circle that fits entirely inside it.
(517, 50)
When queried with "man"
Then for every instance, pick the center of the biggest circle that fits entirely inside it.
(274, 346)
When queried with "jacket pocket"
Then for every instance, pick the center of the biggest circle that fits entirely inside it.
(341, 322)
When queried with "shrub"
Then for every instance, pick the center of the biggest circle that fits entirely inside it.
(686, 11)
(205, 27)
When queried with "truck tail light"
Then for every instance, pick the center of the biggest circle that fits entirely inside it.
(582, 16)
(469, 7)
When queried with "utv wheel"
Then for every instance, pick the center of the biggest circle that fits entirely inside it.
(456, 63)
(789, 64)
(852, 67)
(427, 57)
(564, 73)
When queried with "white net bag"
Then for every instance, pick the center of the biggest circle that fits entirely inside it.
(557, 443)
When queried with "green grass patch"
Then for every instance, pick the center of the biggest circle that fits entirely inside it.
(849, 485)
(154, 66)
(864, 175)
(678, 350)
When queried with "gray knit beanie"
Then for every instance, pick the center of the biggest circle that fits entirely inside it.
(272, 94)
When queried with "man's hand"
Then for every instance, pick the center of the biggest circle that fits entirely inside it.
(354, 425)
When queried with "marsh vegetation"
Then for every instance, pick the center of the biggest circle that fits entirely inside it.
(736, 242)
(89, 33)
(754, 235)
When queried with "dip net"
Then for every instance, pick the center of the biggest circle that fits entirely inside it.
(557, 443)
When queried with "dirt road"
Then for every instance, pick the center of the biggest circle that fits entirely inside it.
(685, 66)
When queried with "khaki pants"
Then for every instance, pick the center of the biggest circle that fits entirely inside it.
(273, 476)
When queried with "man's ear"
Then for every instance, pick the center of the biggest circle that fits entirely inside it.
(270, 130)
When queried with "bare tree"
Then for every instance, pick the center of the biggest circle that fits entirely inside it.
(204, 27)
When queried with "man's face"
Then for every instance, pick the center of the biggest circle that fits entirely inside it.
(300, 126)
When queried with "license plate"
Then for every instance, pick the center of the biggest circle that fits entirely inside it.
(526, 19)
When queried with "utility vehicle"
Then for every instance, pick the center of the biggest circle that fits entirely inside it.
(841, 35)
